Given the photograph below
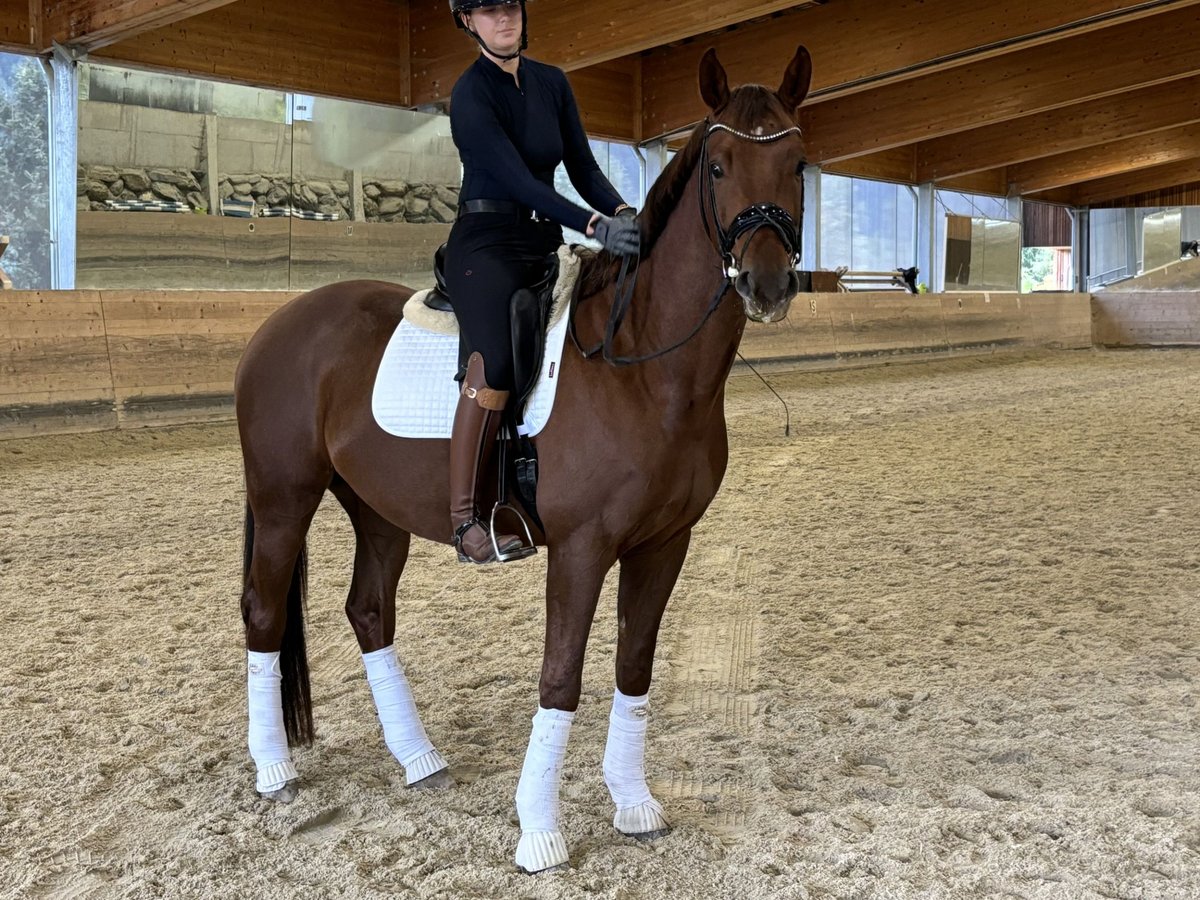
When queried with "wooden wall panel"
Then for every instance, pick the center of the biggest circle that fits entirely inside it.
(861, 44)
(994, 182)
(1183, 194)
(96, 23)
(607, 98)
(1006, 87)
(16, 26)
(1044, 225)
(1061, 130)
(570, 34)
(897, 164)
(347, 49)
(1102, 160)
(1130, 184)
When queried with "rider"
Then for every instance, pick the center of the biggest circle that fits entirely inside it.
(513, 120)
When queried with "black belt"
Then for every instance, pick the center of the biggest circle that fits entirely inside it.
(504, 207)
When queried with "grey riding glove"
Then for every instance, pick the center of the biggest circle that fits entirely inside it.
(619, 235)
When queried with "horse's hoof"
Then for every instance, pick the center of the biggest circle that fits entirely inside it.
(422, 772)
(542, 851)
(644, 822)
(285, 794)
(438, 781)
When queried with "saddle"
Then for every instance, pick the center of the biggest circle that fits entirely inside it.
(529, 314)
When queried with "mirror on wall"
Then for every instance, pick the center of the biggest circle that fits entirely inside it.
(191, 184)
(1161, 238)
(982, 254)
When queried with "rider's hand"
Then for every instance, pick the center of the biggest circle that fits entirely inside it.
(619, 235)
(626, 211)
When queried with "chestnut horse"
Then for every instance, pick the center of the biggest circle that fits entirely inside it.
(629, 461)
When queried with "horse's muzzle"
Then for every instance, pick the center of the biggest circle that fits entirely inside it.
(766, 299)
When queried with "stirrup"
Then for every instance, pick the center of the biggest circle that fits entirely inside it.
(529, 548)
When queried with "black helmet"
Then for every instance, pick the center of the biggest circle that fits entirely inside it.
(461, 6)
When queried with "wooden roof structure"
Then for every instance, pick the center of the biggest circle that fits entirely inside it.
(1088, 102)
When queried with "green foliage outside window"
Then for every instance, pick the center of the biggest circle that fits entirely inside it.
(24, 171)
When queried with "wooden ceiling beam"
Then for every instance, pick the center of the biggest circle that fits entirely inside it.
(1092, 163)
(17, 25)
(570, 34)
(349, 49)
(1134, 54)
(1127, 184)
(861, 45)
(1111, 118)
(91, 24)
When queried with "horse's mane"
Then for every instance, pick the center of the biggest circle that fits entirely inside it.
(748, 105)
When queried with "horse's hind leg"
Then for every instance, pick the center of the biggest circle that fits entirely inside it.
(647, 579)
(380, 552)
(279, 701)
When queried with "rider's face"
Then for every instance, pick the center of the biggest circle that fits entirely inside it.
(499, 26)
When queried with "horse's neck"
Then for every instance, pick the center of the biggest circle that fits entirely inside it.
(675, 289)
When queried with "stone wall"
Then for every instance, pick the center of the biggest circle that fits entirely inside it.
(137, 153)
(383, 199)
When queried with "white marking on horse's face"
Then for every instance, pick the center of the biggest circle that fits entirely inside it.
(758, 130)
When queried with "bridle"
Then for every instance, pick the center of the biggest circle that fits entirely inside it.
(749, 221)
(752, 218)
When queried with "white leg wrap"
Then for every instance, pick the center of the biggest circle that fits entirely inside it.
(624, 767)
(402, 729)
(542, 844)
(267, 738)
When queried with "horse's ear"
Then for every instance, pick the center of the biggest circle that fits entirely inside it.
(796, 80)
(714, 86)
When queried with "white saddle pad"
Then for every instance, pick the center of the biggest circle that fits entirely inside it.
(415, 392)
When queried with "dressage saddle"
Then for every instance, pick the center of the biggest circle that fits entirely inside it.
(529, 314)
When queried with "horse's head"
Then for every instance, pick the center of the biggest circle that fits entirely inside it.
(752, 181)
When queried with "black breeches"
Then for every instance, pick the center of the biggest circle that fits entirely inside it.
(488, 257)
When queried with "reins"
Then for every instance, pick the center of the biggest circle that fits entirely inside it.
(751, 220)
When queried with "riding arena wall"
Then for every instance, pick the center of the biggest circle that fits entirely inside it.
(93, 360)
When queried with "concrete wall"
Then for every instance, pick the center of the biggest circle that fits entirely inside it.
(1146, 319)
(829, 330)
(112, 134)
(93, 360)
(164, 251)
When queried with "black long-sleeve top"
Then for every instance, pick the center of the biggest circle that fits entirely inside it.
(512, 138)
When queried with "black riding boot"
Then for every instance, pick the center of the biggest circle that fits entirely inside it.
(476, 423)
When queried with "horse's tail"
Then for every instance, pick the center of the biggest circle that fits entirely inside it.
(293, 656)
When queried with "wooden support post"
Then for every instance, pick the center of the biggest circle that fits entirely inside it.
(5, 282)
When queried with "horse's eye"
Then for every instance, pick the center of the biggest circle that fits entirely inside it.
(717, 171)
(801, 166)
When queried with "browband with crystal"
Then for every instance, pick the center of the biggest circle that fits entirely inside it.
(758, 138)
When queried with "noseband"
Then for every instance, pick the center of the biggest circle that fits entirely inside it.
(749, 221)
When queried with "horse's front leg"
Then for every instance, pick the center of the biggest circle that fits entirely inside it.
(647, 579)
(575, 574)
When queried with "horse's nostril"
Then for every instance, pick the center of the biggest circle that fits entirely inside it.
(744, 284)
(793, 283)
